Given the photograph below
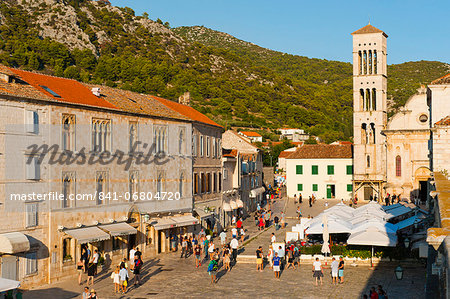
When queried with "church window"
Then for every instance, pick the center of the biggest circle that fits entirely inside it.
(360, 62)
(365, 62)
(364, 134)
(370, 61)
(361, 99)
(372, 133)
(398, 166)
(367, 100)
(375, 61)
(374, 99)
(368, 161)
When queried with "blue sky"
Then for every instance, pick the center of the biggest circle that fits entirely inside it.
(418, 30)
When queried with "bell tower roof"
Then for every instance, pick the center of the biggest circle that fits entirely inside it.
(369, 29)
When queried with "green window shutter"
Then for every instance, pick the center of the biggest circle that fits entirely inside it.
(315, 187)
(330, 169)
(349, 169)
(299, 187)
(299, 169)
(315, 169)
(349, 187)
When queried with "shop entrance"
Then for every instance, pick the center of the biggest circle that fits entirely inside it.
(331, 191)
(423, 187)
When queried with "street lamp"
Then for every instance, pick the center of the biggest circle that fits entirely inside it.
(398, 272)
(407, 242)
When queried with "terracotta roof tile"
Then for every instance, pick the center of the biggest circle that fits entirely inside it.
(64, 90)
(232, 153)
(285, 154)
(444, 122)
(442, 80)
(137, 103)
(250, 134)
(187, 111)
(322, 151)
(369, 29)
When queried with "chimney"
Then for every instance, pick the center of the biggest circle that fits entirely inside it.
(185, 98)
(96, 91)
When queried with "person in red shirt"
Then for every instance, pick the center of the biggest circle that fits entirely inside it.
(239, 223)
(373, 293)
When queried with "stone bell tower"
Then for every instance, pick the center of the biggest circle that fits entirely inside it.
(369, 112)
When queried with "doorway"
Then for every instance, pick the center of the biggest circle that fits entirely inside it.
(368, 193)
(423, 187)
(331, 191)
(159, 241)
(131, 242)
(10, 267)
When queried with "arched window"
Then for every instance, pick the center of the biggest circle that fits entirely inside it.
(181, 142)
(364, 134)
(370, 61)
(132, 136)
(372, 133)
(367, 100)
(368, 161)
(159, 182)
(375, 61)
(365, 62)
(361, 99)
(360, 62)
(374, 99)
(68, 188)
(133, 185)
(398, 166)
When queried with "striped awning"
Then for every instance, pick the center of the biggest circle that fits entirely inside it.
(119, 229)
(88, 234)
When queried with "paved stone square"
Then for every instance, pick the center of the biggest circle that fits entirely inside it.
(168, 276)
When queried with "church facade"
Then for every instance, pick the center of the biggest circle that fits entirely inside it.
(395, 156)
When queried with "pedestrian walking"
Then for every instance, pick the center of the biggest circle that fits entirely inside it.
(276, 265)
(259, 259)
(212, 270)
(137, 270)
(226, 258)
(273, 239)
(234, 232)
(223, 238)
(290, 259)
(131, 256)
(123, 279)
(242, 234)
(95, 258)
(91, 273)
(205, 246)
(116, 279)
(318, 271)
(93, 294)
(283, 220)
(80, 269)
(300, 198)
(310, 201)
(86, 294)
(275, 221)
(211, 249)
(197, 253)
(239, 224)
(234, 244)
(299, 213)
(341, 270)
(334, 271)
(270, 256)
(233, 220)
(184, 246)
(296, 256)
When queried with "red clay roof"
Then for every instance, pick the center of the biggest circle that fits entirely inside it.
(250, 134)
(229, 153)
(188, 111)
(70, 91)
(369, 29)
(442, 80)
(444, 122)
(322, 151)
(285, 154)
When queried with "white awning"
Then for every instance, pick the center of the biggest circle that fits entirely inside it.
(119, 229)
(14, 242)
(374, 237)
(88, 234)
(163, 223)
(8, 284)
(185, 220)
(202, 214)
(227, 207)
(233, 205)
(239, 203)
(257, 191)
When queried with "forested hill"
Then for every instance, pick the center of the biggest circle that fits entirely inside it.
(234, 82)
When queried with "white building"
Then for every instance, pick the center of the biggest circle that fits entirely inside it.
(320, 169)
(252, 136)
(295, 135)
(282, 157)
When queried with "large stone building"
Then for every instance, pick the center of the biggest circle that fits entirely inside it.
(207, 164)
(395, 157)
(101, 203)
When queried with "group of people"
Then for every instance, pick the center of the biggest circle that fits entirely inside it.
(88, 263)
(120, 275)
(378, 293)
(337, 271)
(263, 218)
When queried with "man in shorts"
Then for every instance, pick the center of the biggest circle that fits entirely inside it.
(334, 271)
(318, 271)
(341, 270)
(276, 265)
(198, 258)
(259, 259)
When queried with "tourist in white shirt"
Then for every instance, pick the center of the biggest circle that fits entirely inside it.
(234, 244)
(132, 252)
(317, 270)
(223, 237)
(123, 275)
(334, 270)
(273, 239)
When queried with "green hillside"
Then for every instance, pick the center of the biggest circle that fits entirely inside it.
(234, 82)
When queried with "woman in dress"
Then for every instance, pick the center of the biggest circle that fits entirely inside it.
(270, 256)
(80, 269)
(226, 258)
